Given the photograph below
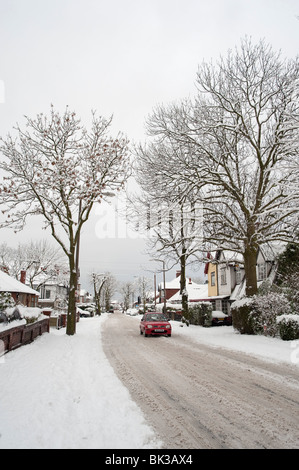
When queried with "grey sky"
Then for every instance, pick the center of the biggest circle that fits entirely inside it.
(120, 57)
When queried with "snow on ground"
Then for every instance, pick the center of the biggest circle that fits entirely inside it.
(271, 349)
(267, 348)
(61, 392)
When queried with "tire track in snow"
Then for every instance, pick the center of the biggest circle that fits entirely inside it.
(196, 396)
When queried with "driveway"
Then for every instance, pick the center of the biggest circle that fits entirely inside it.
(201, 397)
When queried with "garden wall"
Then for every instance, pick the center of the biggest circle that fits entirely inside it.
(23, 334)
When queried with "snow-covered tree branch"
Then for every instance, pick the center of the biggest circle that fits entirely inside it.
(242, 128)
(58, 169)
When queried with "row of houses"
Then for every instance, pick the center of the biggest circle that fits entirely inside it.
(50, 294)
(225, 278)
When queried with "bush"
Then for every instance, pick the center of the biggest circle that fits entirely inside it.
(264, 311)
(6, 301)
(200, 313)
(288, 326)
(258, 314)
(241, 318)
(30, 314)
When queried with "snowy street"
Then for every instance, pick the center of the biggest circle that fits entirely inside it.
(193, 390)
(200, 396)
(61, 393)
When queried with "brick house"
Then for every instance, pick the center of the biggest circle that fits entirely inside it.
(21, 293)
(196, 292)
(171, 287)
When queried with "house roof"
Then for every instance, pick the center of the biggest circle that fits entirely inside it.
(271, 251)
(195, 292)
(174, 284)
(9, 284)
(232, 257)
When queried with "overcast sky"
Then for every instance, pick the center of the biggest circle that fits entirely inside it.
(120, 57)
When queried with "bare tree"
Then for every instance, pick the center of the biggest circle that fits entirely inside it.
(38, 258)
(127, 290)
(173, 212)
(144, 289)
(108, 290)
(242, 133)
(98, 282)
(58, 169)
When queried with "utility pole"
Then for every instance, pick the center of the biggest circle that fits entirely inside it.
(164, 283)
(77, 255)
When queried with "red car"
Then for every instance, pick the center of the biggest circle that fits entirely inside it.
(155, 324)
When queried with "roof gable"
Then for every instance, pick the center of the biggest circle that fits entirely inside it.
(9, 284)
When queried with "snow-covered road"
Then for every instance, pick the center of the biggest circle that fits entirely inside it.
(199, 396)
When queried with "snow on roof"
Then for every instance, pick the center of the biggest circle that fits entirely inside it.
(9, 284)
(195, 292)
(272, 250)
(232, 256)
(174, 284)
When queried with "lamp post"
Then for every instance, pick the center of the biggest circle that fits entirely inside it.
(155, 291)
(163, 269)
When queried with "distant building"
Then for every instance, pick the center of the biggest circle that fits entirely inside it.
(196, 292)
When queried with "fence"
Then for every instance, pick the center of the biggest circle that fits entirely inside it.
(24, 334)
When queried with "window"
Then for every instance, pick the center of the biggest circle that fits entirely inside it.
(213, 282)
(225, 307)
(238, 276)
(48, 294)
(223, 276)
(261, 272)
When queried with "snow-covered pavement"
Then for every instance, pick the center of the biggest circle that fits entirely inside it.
(271, 349)
(61, 392)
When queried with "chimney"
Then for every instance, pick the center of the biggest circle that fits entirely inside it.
(23, 277)
(178, 273)
(190, 282)
(4, 269)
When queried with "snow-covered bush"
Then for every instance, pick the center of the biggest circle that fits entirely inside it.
(13, 314)
(288, 326)
(264, 311)
(6, 301)
(200, 313)
(258, 314)
(241, 319)
(29, 314)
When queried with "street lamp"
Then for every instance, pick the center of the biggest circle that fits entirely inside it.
(163, 269)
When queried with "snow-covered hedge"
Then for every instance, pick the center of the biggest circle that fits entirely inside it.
(20, 312)
(200, 313)
(288, 326)
(240, 310)
(264, 311)
(263, 314)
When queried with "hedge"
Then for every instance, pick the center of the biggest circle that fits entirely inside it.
(288, 326)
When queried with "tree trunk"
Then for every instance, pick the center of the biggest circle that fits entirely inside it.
(183, 289)
(71, 314)
(250, 258)
(96, 296)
